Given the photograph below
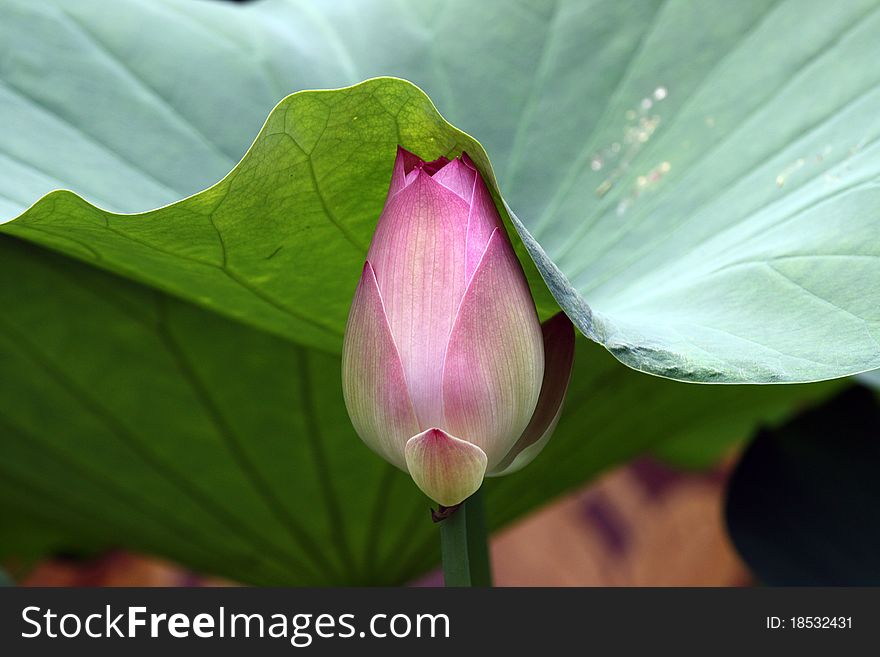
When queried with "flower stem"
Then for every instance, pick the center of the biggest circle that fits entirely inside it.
(464, 545)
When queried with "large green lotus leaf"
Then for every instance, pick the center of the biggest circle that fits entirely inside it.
(694, 181)
(131, 418)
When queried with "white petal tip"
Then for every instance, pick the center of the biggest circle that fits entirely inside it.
(445, 468)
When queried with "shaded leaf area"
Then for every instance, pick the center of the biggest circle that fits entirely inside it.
(612, 414)
(802, 505)
(130, 418)
(692, 202)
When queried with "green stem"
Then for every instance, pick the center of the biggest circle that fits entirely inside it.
(464, 545)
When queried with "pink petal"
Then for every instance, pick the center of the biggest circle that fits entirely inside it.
(434, 166)
(407, 165)
(482, 221)
(459, 177)
(418, 255)
(404, 163)
(373, 380)
(467, 161)
(558, 360)
(412, 175)
(445, 468)
(495, 358)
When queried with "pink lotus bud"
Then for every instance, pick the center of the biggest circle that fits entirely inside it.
(446, 371)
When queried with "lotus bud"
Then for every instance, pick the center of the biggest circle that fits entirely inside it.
(446, 371)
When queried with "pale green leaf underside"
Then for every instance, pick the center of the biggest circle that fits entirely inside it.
(748, 254)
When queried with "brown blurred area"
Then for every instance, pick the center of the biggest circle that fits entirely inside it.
(643, 524)
(116, 569)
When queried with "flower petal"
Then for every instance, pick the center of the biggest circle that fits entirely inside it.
(418, 255)
(434, 166)
(404, 163)
(495, 358)
(459, 177)
(558, 360)
(373, 380)
(482, 222)
(445, 468)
